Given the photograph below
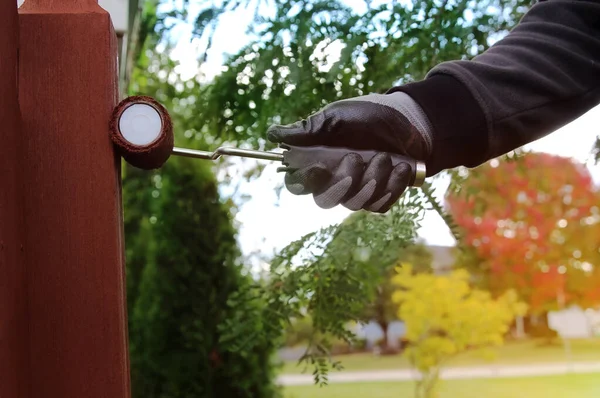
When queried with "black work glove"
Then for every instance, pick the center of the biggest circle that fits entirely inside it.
(383, 122)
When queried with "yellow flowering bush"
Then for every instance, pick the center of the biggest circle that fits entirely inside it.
(444, 316)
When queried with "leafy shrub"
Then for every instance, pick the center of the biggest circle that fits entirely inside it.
(444, 317)
(184, 289)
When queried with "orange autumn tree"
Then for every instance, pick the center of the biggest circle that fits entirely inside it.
(531, 223)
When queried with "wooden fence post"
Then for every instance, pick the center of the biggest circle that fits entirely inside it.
(73, 239)
(13, 301)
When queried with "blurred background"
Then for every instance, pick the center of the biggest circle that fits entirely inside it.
(485, 283)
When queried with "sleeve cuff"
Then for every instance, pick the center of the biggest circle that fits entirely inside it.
(460, 136)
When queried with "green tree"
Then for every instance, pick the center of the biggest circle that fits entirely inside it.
(445, 317)
(184, 278)
(185, 290)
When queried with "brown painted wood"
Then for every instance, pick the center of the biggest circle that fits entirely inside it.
(72, 207)
(13, 301)
(71, 6)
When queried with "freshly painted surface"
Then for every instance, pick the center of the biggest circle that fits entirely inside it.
(73, 244)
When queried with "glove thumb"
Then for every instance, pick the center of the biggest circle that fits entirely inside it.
(302, 133)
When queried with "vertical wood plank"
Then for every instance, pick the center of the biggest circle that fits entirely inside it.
(72, 206)
(13, 304)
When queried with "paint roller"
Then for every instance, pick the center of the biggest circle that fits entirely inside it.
(142, 132)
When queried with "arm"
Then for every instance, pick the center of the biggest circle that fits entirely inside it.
(541, 76)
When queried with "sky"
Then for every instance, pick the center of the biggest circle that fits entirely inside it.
(269, 222)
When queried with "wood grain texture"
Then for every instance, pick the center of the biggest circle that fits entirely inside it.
(72, 202)
(13, 300)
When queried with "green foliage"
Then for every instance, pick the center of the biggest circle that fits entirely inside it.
(192, 331)
(306, 54)
(183, 295)
(298, 332)
(309, 53)
(329, 276)
(444, 317)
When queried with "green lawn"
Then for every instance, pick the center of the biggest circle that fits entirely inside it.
(564, 386)
(512, 353)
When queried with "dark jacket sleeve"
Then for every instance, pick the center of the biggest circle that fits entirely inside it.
(544, 74)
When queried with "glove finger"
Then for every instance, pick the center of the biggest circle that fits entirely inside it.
(307, 180)
(343, 182)
(373, 182)
(302, 133)
(396, 185)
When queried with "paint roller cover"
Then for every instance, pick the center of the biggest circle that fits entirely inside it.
(142, 131)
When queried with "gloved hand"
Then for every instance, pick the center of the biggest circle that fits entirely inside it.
(383, 122)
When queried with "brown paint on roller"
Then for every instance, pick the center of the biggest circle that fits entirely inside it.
(73, 247)
(153, 155)
(14, 353)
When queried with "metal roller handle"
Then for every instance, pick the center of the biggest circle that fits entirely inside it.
(227, 151)
(296, 157)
